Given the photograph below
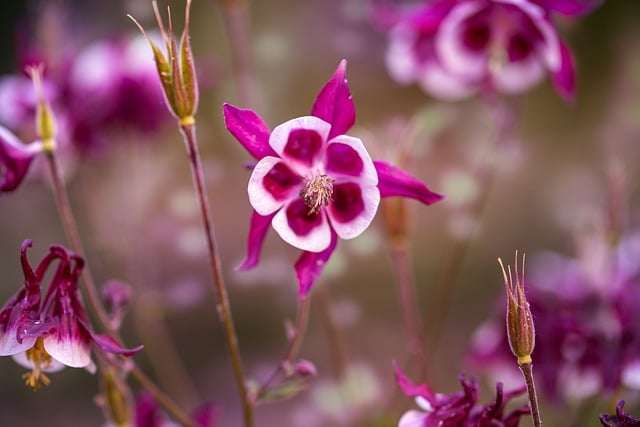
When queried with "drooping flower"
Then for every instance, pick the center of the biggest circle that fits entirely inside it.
(587, 322)
(314, 183)
(46, 334)
(453, 48)
(620, 418)
(458, 409)
(15, 159)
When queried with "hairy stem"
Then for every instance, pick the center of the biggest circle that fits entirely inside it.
(223, 307)
(527, 372)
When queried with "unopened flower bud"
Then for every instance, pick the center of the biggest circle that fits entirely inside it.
(45, 120)
(305, 368)
(177, 69)
(520, 327)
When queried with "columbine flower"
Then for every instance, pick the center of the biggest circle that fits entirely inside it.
(47, 334)
(313, 183)
(148, 414)
(457, 409)
(15, 159)
(452, 48)
(620, 419)
(587, 322)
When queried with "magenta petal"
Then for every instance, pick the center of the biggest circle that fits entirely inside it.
(257, 232)
(570, 7)
(15, 159)
(409, 388)
(310, 265)
(249, 130)
(334, 104)
(393, 181)
(110, 345)
(564, 80)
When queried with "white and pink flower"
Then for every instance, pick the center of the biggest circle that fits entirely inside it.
(314, 183)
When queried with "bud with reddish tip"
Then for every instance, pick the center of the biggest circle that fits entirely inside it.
(520, 328)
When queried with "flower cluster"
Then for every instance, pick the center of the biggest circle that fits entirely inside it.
(620, 419)
(587, 322)
(458, 409)
(46, 334)
(453, 48)
(108, 86)
(314, 183)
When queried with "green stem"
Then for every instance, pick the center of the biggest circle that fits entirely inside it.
(188, 132)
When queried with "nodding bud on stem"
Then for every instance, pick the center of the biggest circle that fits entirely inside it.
(520, 328)
(45, 120)
(177, 69)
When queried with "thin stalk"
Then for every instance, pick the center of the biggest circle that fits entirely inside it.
(439, 303)
(337, 345)
(527, 372)
(295, 342)
(162, 398)
(236, 21)
(188, 132)
(406, 285)
(72, 233)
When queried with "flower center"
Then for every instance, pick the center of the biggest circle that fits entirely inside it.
(317, 191)
(40, 358)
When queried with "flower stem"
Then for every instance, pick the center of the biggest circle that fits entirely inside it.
(295, 341)
(72, 233)
(527, 372)
(73, 236)
(335, 339)
(236, 20)
(406, 284)
(485, 175)
(223, 307)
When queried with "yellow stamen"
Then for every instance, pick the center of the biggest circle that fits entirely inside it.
(40, 359)
(317, 192)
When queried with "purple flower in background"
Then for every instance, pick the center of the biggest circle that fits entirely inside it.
(46, 334)
(453, 48)
(620, 419)
(313, 183)
(15, 159)
(108, 86)
(148, 414)
(587, 322)
(458, 409)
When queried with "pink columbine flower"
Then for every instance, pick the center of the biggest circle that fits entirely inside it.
(46, 334)
(15, 159)
(149, 414)
(314, 183)
(457, 409)
(453, 48)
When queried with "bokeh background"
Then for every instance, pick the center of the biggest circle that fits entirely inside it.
(140, 222)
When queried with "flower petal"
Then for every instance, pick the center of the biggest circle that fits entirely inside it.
(9, 344)
(564, 79)
(300, 141)
(15, 159)
(352, 208)
(569, 7)
(393, 181)
(271, 185)
(347, 156)
(257, 232)
(50, 366)
(309, 232)
(409, 388)
(110, 345)
(310, 265)
(517, 77)
(334, 103)
(412, 418)
(249, 130)
(73, 349)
